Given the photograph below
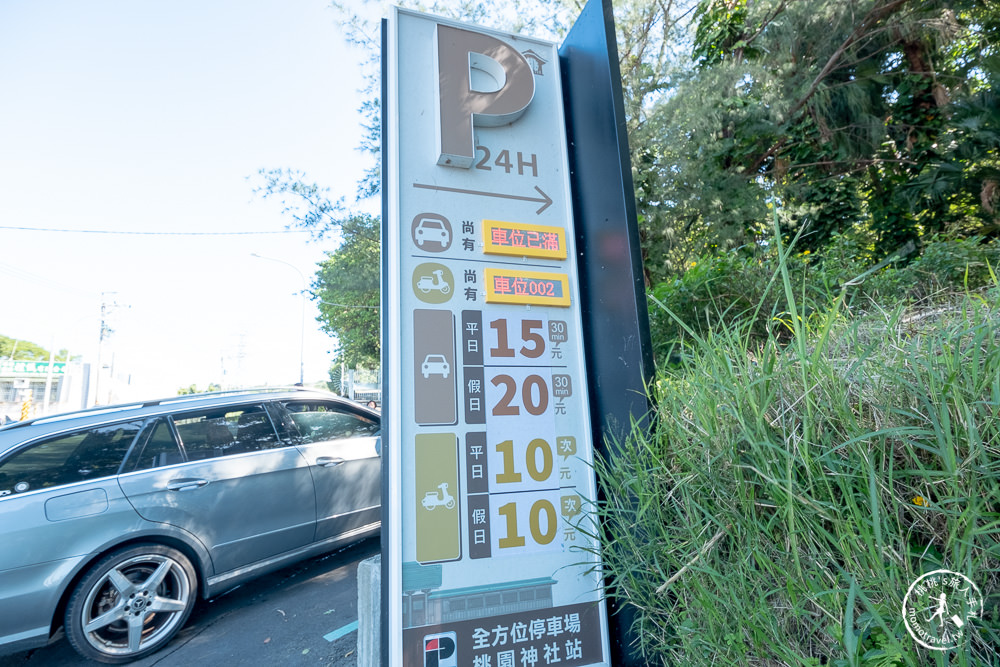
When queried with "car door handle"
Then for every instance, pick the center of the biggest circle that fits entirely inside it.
(329, 461)
(185, 484)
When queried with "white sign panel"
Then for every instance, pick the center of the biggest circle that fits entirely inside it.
(492, 562)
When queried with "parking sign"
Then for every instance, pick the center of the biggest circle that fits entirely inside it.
(491, 548)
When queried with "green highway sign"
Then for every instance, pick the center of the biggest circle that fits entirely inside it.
(21, 367)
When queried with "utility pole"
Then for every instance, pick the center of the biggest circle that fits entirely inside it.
(106, 310)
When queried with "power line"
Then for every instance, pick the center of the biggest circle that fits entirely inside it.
(21, 274)
(137, 233)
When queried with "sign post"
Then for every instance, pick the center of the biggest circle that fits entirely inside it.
(490, 546)
(616, 322)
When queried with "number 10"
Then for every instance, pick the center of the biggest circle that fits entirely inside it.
(539, 474)
(513, 539)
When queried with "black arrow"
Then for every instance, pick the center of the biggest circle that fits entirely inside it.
(545, 200)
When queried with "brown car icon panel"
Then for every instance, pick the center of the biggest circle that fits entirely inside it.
(432, 232)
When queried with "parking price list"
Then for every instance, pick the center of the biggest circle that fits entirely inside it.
(503, 480)
(498, 564)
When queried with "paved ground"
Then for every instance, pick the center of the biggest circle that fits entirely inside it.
(303, 615)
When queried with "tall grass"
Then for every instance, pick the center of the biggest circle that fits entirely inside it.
(790, 492)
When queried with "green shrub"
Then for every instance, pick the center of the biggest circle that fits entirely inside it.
(945, 266)
(738, 289)
(717, 291)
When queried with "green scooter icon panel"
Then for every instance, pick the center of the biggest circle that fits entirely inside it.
(433, 283)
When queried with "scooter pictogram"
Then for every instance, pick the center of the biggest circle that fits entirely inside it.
(436, 282)
(433, 499)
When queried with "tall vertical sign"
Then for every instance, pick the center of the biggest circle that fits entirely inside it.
(490, 543)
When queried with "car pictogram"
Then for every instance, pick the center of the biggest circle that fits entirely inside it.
(435, 364)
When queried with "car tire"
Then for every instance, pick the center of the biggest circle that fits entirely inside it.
(131, 603)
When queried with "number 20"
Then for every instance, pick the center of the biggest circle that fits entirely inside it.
(533, 406)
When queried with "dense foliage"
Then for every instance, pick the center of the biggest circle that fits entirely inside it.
(875, 118)
(721, 291)
(12, 348)
(346, 289)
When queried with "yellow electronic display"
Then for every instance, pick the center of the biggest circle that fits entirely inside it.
(523, 240)
(527, 287)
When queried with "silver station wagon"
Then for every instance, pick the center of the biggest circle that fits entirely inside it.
(113, 521)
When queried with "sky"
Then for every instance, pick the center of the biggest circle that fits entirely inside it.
(140, 116)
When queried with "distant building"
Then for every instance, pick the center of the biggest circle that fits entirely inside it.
(22, 380)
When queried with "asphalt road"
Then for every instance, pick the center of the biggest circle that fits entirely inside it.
(302, 615)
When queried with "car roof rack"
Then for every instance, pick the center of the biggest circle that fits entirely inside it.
(182, 398)
(227, 392)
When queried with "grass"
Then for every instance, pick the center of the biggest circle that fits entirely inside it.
(792, 488)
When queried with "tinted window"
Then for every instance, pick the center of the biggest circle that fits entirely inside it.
(318, 421)
(160, 449)
(223, 432)
(65, 459)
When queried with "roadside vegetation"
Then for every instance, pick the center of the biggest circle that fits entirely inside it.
(813, 452)
(818, 196)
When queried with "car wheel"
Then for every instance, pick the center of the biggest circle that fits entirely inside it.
(131, 603)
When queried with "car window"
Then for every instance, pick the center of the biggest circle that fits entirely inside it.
(232, 430)
(160, 449)
(75, 457)
(316, 421)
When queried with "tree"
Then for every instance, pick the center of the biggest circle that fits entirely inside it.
(851, 116)
(846, 115)
(346, 288)
(12, 348)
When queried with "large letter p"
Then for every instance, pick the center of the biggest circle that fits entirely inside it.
(460, 106)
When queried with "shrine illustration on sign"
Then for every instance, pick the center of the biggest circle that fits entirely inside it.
(499, 565)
